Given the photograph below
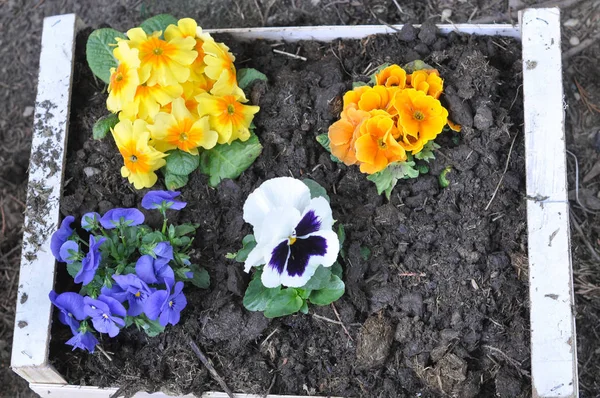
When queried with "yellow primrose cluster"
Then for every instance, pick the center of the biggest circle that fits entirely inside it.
(177, 90)
(379, 124)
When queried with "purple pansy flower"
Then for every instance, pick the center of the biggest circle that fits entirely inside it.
(152, 270)
(166, 306)
(107, 314)
(163, 252)
(137, 292)
(69, 252)
(115, 292)
(90, 262)
(162, 200)
(83, 340)
(71, 308)
(90, 221)
(121, 217)
(61, 236)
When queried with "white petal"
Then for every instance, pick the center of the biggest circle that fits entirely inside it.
(322, 210)
(333, 249)
(255, 258)
(271, 277)
(299, 280)
(278, 224)
(276, 192)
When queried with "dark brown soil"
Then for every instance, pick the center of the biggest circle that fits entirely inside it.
(440, 305)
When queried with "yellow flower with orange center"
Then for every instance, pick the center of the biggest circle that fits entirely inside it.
(180, 129)
(220, 68)
(343, 134)
(124, 78)
(228, 116)
(148, 100)
(163, 62)
(187, 27)
(376, 146)
(421, 118)
(141, 160)
(427, 81)
(392, 76)
(190, 91)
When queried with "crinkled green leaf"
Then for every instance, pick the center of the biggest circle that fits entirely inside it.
(229, 161)
(181, 163)
(316, 190)
(386, 179)
(415, 65)
(426, 153)
(158, 23)
(323, 139)
(175, 181)
(99, 52)
(286, 302)
(103, 126)
(257, 295)
(358, 84)
(247, 76)
(329, 293)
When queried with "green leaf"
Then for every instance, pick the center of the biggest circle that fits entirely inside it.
(229, 160)
(103, 126)
(443, 177)
(181, 163)
(304, 308)
(73, 268)
(152, 328)
(285, 303)
(426, 153)
(247, 76)
(365, 253)
(248, 243)
(358, 84)
(319, 280)
(330, 293)
(386, 179)
(257, 295)
(158, 23)
(422, 168)
(372, 81)
(185, 229)
(153, 237)
(415, 65)
(316, 190)
(201, 277)
(341, 233)
(175, 181)
(99, 52)
(336, 269)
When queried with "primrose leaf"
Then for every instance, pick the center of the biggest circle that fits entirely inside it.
(286, 302)
(103, 126)
(175, 181)
(358, 84)
(416, 65)
(99, 52)
(201, 277)
(331, 292)
(257, 295)
(73, 268)
(229, 160)
(386, 179)
(426, 153)
(316, 190)
(247, 76)
(181, 163)
(323, 139)
(319, 280)
(372, 81)
(158, 23)
(248, 243)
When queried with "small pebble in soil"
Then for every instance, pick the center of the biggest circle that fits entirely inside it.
(374, 342)
(28, 111)
(483, 118)
(571, 23)
(574, 41)
(407, 33)
(428, 33)
(90, 171)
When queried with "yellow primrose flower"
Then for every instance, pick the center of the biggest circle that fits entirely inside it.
(393, 75)
(220, 68)
(187, 27)
(180, 129)
(148, 100)
(141, 160)
(376, 146)
(427, 81)
(229, 117)
(190, 91)
(163, 62)
(123, 79)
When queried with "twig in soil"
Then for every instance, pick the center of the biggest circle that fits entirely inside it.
(379, 19)
(420, 274)
(513, 13)
(585, 97)
(269, 336)
(585, 209)
(580, 47)
(583, 237)
(510, 360)
(327, 319)
(512, 144)
(104, 353)
(270, 386)
(337, 315)
(208, 363)
(262, 16)
(276, 51)
(3, 219)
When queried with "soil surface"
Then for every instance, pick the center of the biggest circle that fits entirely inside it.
(438, 307)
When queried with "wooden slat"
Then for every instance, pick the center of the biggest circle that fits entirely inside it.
(553, 342)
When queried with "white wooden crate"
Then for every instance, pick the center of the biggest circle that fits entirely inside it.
(553, 341)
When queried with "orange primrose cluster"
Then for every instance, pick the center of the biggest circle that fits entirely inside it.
(380, 124)
(177, 90)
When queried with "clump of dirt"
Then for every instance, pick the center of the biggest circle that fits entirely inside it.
(435, 306)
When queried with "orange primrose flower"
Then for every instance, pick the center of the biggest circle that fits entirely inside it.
(428, 81)
(376, 146)
(421, 118)
(180, 129)
(187, 27)
(163, 62)
(228, 117)
(148, 100)
(367, 98)
(220, 68)
(141, 160)
(124, 79)
(343, 134)
(392, 76)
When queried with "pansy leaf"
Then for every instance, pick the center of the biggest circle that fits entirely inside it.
(286, 302)
(151, 328)
(328, 294)
(73, 268)
(158, 23)
(153, 237)
(185, 229)
(103, 126)
(201, 277)
(229, 160)
(248, 243)
(247, 76)
(257, 295)
(319, 280)
(304, 308)
(337, 270)
(426, 153)
(99, 52)
(387, 179)
(181, 163)
(341, 233)
(365, 252)
(175, 181)
(316, 190)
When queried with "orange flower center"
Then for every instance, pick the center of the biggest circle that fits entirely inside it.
(133, 158)
(230, 109)
(135, 162)
(381, 143)
(157, 51)
(119, 77)
(418, 115)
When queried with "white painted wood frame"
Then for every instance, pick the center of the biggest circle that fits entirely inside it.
(553, 340)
